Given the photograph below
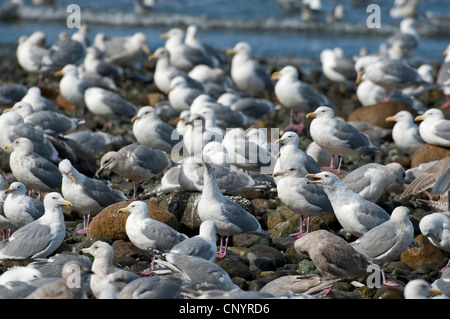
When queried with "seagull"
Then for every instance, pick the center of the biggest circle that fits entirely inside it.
(88, 195)
(38, 239)
(336, 136)
(297, 96)
(246, 73)
(230, 218)
(31, 169)
(19, 208)
(355, 214)
(135, 162)
(385, 242)
(337, 68)
(37, 101)
(180, 94)
(434, 128)
(405, 133)
(443, 77)
(127, 51)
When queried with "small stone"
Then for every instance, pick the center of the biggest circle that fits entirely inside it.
(235, 268)
(263, 264)
(248, 240)
(426, 269)
(388, 292)
(306, 266)
(265, 251)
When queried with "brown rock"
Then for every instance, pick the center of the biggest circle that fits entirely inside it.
(428, 153)
(111, 224)
(154, 98)
(62, 102)
(427, 253)
(376, 114)
(388, 292)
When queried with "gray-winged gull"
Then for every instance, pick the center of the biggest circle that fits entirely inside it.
(336, 136)
(443, 77)
(197, 135)
(302, 198)
(297, 96)
(246, 154)
(94, 141)
(109, 105)
(407, 34)
(182, 56)
(436, 227)
(355, 214)
(199, 273)
(321, 156)
(254, 108)
(180, 94)
(37, 101)
(51, 267)
(127, 51)
(11, 93)
(385, 242)
(214, 152)
(50, 122)
(372, 179)
(434, 128)
(210, 123)
(135, 162)
(405, 132)
(150, 130)
(202, 245)
(337, 68)
(19, 208)
(230, 218)
(30, 51)
(259, 136)
(5, 225)
(72, 87)
(154, 287)
(216, 81)
(442, 284)
(103, 265)
(291, 156)
(88, 195)
(169, 182)
(70, 286)
(191, 39)
(427, 73)
(147, 233)
(13, 126)
(41, 237)
(33, 170)
(246, 73)
(420, 289)
(404, 9)
(332, 255)
(96, 65)
(427, 179)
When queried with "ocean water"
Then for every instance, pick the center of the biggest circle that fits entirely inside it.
(272, 32)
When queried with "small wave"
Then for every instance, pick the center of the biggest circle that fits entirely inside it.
(131, 19)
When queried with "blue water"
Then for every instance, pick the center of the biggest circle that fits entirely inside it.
(272, 32)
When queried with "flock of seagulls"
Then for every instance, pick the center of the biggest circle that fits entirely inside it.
(213, 150)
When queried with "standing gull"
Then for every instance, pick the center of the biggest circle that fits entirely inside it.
(103, 266)
(372, 179)
(94, 65)
(88, 195)
(297, 96)
(434, 128)
(230, 218)
(385, 242)
(443, 77)
(355, 214)
(337, 68)
(37, 101)
(246, 73)
(180, 94)
(30, 51)
(302, 198)
(150, 130)
(407, 35)
(127, 51)
(19, 208)
(33, 170)
(405, 132)
(335, 136)
(41, 237)
(196, 135)
(436, 227)
(135, 162)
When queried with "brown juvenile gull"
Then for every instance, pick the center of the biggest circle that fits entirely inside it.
(336, 136)
(147, 233)
(135, 162)
(150, 130)
(102, 266)
(297, 96)
(70, 286)
(355, 214)
(19, 208)
(88, 195)
(405, 132)
(230, 218)
(370, 180)
(38, 239)
(428, 178)
(33, 170)
(246, 73)
(385, 242)
(434, 128)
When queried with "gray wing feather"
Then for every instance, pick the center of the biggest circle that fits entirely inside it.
(101, 193)
(46, 171)
(384, 237)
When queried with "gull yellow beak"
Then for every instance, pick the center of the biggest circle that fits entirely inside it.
(123, 210)
(312, 176)
(207, 165)
(9, 146)
(436, 239)
(419, 118)
(310, 115)
(279, 141)
(230, 52)
(445, 52)
(164, 36)
(58, 73)
(169, 90)
(436, 292)
(276, 75)
(276, 174)
(74, 180)
(7, 110)
(66, 202)
(390, 119)
(278, 155)
(152, 57)
(134, 118)
(358, 78)
(188, 123)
